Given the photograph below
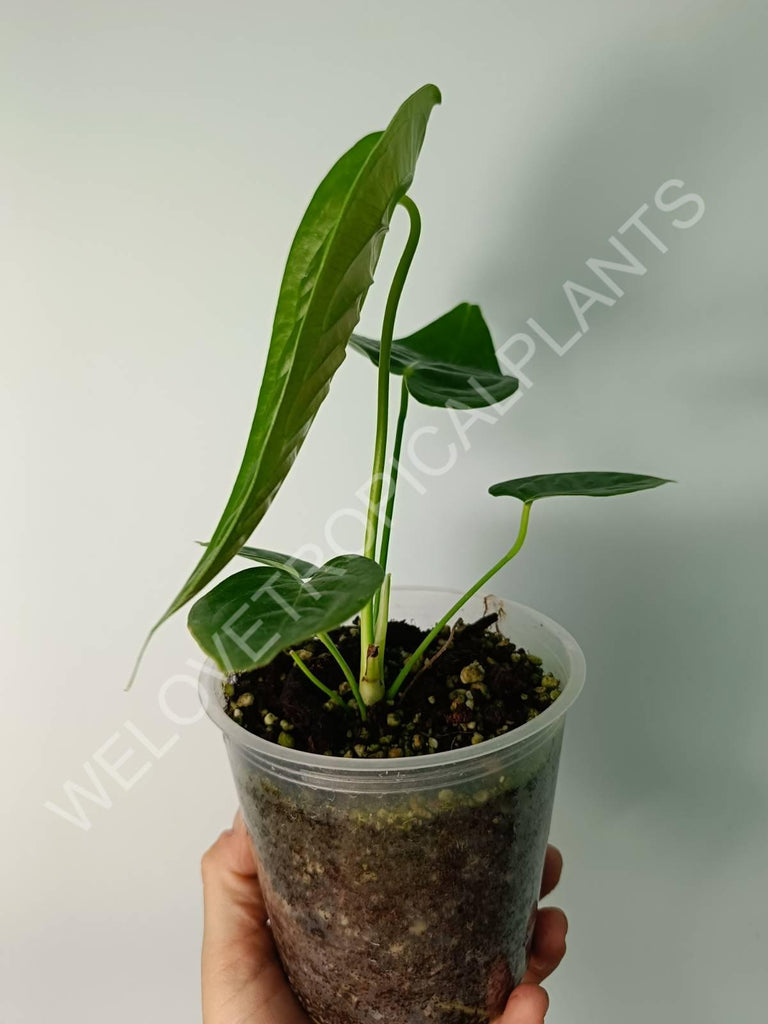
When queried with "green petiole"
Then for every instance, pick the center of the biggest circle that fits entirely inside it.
(417, 655)
(382, 415)
(386, 528)
(348, 674)
(318, 683)
(372, 683)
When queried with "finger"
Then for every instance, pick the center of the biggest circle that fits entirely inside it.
(241, 850)
(553, 868)
(527, 1005)
(548, 947)
(241, 974)
(233, 905)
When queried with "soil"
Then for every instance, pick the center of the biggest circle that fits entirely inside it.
(402, 906)
(405, 910)
(474, 684)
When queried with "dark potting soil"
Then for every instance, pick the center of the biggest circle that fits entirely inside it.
(474, 684)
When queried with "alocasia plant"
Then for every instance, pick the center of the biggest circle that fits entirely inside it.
(247, 619)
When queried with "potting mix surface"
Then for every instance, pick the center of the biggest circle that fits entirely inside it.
(473, 684)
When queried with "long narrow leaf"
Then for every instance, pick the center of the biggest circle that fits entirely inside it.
(329, 271)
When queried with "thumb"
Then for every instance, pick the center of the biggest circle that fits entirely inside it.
(527, 1005)
(242, 979)
(233, 903)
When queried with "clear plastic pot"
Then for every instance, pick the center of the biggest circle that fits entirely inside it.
(404, 891)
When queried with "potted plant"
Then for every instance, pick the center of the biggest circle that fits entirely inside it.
(395, 752)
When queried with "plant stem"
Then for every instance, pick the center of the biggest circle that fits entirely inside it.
(313, 678)
(382, 414)
(386, 528)
(348, 674)
(415, 658)
(372, 683)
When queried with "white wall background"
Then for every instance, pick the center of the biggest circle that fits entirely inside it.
(157, 159)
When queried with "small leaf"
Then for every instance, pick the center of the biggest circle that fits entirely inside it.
(451, 361)
(458, 338)
(593, 485)
(248, 618)
(445, 386)
(327, 276)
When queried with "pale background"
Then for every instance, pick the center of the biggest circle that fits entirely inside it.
(158, 157)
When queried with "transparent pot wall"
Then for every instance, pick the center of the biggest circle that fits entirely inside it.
(406, 892)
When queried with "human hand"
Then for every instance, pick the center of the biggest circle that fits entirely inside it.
(243, 982)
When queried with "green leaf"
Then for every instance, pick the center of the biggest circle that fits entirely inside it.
(276, 559)
(451, 361)
(329, 271)
(592, 485)
(448, 387)
(247, 619)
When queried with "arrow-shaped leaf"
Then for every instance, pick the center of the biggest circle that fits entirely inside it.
(451, 361)
(329, 271)
(589, 484)
(253, 615)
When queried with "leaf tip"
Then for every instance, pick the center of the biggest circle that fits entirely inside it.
(139, 658)
(494, 490)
